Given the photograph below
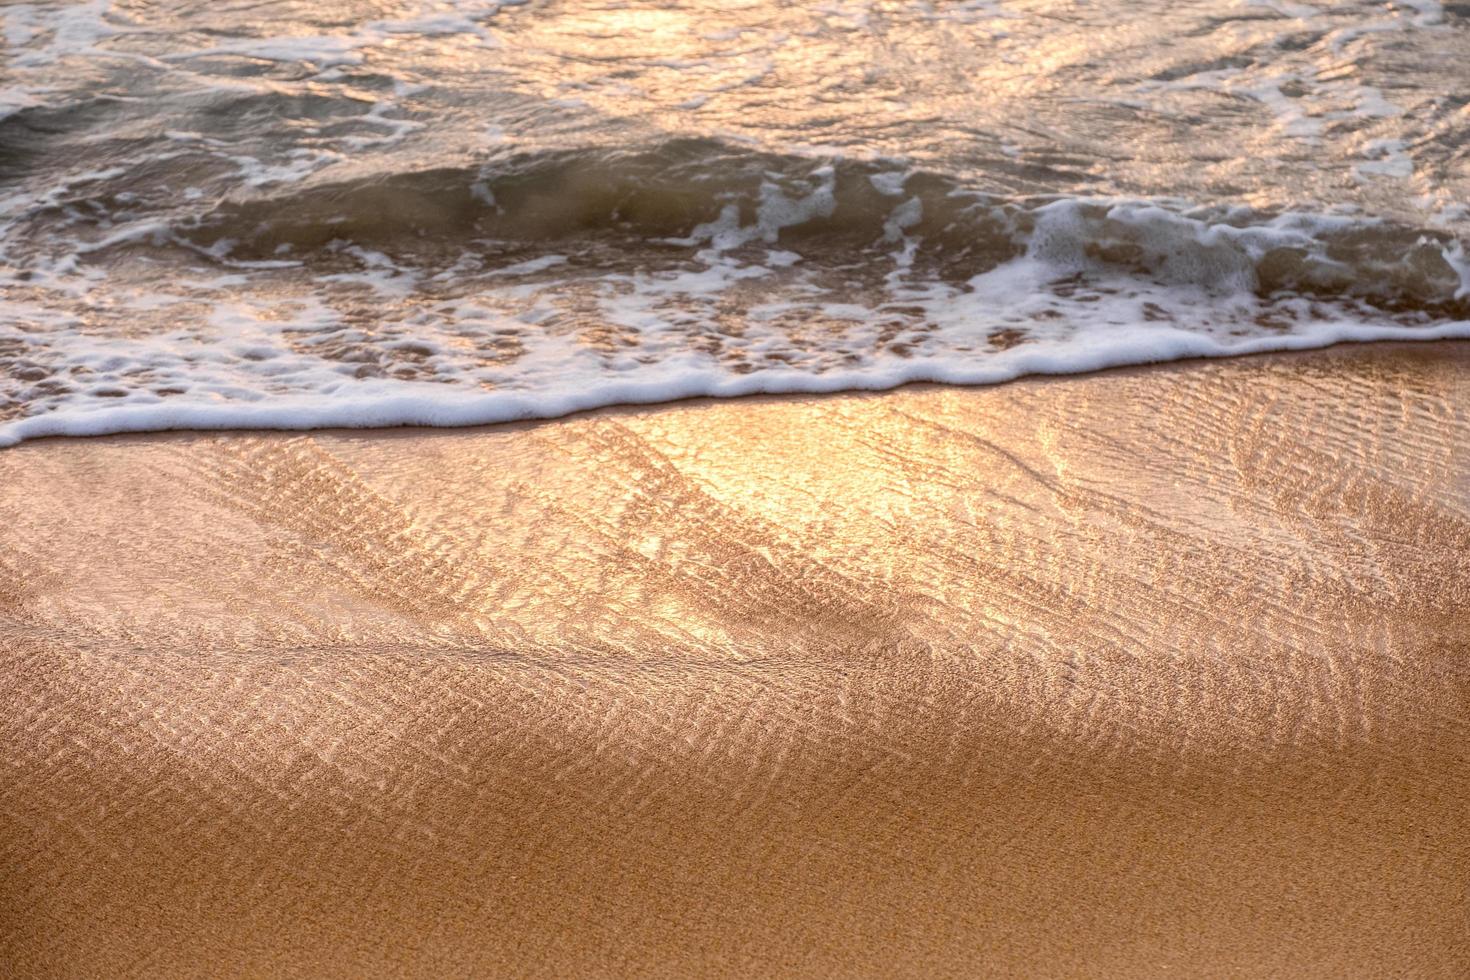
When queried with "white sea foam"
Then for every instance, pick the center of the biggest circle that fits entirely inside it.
(373, 405)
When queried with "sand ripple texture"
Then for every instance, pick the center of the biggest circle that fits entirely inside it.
(1157, 673)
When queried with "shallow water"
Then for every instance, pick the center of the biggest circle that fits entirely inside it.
(329, 213)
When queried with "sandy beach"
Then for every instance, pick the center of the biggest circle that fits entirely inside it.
(1157, 672)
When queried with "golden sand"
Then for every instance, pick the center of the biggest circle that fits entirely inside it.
(1152, 673)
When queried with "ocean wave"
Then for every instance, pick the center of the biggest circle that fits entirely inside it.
(541, 284)
(452, 211)
(700, 194)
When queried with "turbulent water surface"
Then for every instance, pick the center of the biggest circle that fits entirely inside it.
(255, 213)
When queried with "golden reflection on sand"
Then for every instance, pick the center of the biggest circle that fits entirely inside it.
(1152, 672)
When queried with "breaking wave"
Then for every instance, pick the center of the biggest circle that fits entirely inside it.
(548, 283)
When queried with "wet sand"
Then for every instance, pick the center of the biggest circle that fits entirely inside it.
(1161, 672)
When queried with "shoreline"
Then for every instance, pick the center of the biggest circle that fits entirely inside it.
(143, 420)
